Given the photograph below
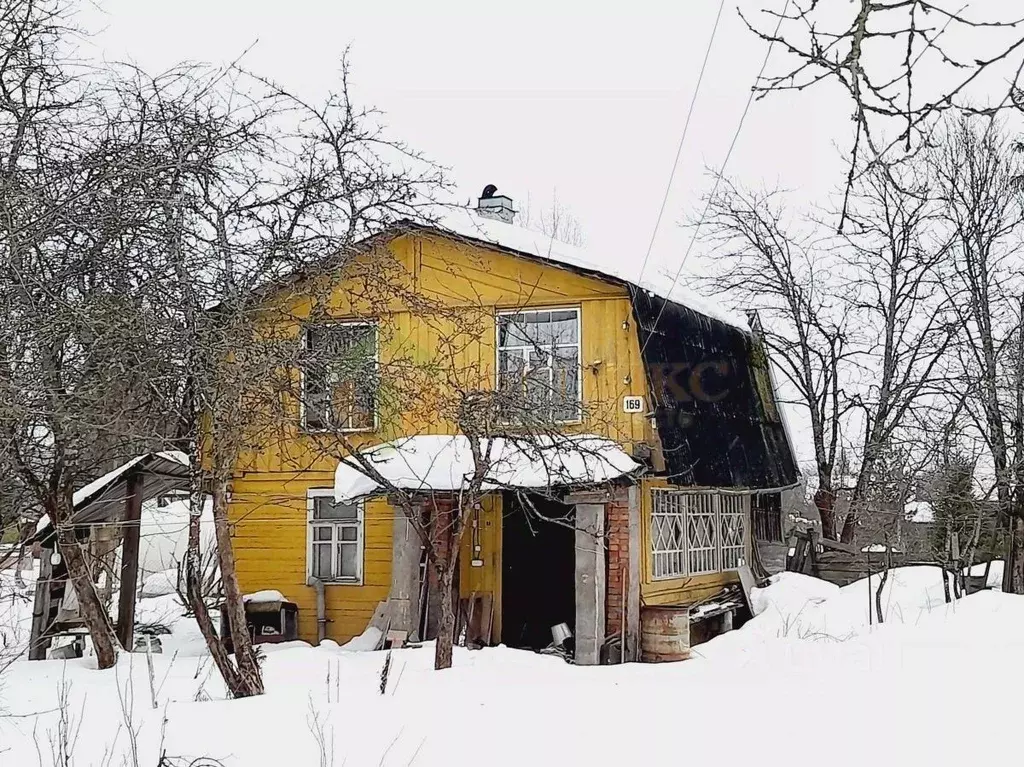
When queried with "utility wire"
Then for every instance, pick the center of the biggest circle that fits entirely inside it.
(682, 140)
(718, 178)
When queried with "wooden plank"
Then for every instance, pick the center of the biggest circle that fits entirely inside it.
(747, 584)
(39, 642)
(837, 546)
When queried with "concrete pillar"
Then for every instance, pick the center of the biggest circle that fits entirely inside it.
(404, 599)
(590, 583)
(632, 649)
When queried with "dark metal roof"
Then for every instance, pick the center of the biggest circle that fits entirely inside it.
(713, 400)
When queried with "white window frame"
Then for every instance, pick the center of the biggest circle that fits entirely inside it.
(674, 516)
(498, 348)
(360, 543)
(302, 377)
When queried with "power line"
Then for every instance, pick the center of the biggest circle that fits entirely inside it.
(682, 140)
(718, 178)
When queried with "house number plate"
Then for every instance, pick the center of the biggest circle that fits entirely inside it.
(632, 404)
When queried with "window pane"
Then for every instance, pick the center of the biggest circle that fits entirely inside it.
(538, 382)
(565, 385)
(563, 327)
(512, 367)
(340, 376)
(322, 533)
(347, 557)
(349, 534)
(315, 398)
(322, 561)
(324, 507)
(509, 331)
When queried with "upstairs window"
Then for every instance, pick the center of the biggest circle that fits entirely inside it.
(334, 539)
(339, 377)
(539, 364)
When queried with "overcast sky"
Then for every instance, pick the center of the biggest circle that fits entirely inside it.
(586, 100)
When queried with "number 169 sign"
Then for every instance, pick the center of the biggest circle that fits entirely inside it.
(632, 404)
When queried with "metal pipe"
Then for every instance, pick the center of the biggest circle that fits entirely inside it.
(321, 608)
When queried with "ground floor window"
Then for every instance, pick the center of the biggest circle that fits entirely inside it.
(696, 533)
(334, 538)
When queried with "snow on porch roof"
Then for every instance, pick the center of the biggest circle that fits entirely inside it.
(444, 463)
(621, 267)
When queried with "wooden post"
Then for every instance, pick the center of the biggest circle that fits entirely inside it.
(39, 642)
(130, 562)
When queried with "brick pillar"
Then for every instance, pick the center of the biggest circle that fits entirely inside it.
(617, 532)
(624, 560)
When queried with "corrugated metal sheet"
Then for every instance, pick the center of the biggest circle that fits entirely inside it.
(713, 402)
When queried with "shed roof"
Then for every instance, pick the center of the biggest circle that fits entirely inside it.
(103, 500)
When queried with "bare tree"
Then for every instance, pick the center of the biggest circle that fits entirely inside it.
(976, 179)
(83, 374)
(785, 275)
(887, 56)
(264, 189)
(554, 220)
(892, 261)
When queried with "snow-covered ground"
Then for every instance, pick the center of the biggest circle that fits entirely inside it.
(807, 681)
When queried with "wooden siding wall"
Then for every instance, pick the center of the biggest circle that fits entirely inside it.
(268, 507)
(270, 528)
(485, 578)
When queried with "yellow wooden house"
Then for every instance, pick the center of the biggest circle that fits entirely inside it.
(680, 386)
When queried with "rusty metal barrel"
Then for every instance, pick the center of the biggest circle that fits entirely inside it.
(664, 634)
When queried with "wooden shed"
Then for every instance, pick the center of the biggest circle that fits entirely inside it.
(106, 518)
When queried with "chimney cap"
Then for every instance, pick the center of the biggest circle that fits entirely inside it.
(495, 206)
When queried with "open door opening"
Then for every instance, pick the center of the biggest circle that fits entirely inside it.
(538, 570)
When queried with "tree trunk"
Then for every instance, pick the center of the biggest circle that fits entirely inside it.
(93, 614)
(443, 647)
(245, 657)
(1013, 572)
(881, 583)
(194, 589)
(444, 543)
(849, 528)
(824, 502)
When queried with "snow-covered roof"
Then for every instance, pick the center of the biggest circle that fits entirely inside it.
(620, 266)
(95, 488)
(264, 597)
(444, 463)
(920, 511)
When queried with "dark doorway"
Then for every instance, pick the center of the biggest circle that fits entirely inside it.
(538, 587)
